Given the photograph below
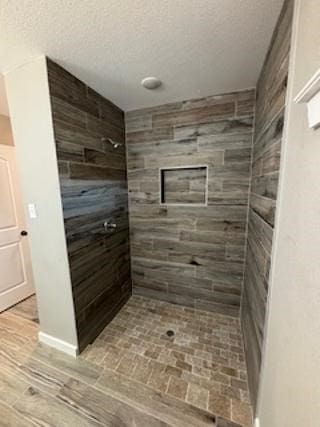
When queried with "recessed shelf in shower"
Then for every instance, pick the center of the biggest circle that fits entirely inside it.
(184, 185)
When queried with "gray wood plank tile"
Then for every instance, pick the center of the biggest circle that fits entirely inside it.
(76, 368)
(10, 417)
(94, 189)
(270, 109)
(170, 410)
(104, 408)
(43, 409)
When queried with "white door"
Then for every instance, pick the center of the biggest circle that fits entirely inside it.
(16, 281)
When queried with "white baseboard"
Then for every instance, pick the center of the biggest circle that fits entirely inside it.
(58, 344)
(256, 422)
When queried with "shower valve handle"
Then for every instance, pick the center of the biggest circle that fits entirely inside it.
(109, 226)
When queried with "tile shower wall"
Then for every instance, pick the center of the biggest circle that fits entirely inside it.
(192, 255)
(270, 108)
(94, 189)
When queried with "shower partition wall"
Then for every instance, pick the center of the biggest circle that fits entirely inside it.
(94, 192)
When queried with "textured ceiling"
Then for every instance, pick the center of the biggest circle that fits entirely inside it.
(197, 47)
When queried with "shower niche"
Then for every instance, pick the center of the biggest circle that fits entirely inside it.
(184, 185)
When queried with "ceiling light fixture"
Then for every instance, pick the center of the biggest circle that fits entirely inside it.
(151, 83)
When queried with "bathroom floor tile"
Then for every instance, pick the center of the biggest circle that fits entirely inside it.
(193, 355)
(156, 364)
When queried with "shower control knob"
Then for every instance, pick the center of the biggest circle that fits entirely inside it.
(109, 226)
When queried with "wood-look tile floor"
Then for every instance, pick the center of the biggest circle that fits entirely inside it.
(26, 309)
(134, 374)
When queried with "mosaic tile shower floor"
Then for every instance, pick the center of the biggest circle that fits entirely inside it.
(202, 364)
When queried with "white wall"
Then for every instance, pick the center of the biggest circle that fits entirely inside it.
(30, 113)
(290, 388)
(3, 98)
(5, 131)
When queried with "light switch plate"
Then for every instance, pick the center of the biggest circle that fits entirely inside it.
(32, 210)
(310, 95)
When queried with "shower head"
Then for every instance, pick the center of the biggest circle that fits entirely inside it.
(112, 142)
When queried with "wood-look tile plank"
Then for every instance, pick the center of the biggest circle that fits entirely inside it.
(12, 386)
(104, 408)
(12, 418)
(169, 410)
(43, 409)
(94, 189)
(77, 368)
(26, 309)
(42, 376)
(270, 110)
(199, 115)
(90, 172)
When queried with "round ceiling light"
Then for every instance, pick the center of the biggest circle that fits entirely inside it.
(151, 83)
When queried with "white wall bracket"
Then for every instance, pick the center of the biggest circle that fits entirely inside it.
(310, 95)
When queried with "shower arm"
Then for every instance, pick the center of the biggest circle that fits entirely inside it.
(115, 144)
